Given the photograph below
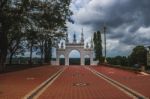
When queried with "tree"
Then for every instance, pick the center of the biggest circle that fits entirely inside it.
(40, 42)
(98, 46)
(53, 23)
(51, 15)
(15, 38)
(48, 50)
(148, 47)
(118, 60)
(139, 55)
(31, 38)
(11, 13)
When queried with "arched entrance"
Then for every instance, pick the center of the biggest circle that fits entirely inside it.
(62, 60)
(77, 48)
(74, 57)
(87, 60)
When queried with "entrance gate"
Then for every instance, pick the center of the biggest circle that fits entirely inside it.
(68, 47)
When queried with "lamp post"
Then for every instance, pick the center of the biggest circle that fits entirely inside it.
(105, 43)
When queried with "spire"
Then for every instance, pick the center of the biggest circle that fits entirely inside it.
(82, 36)
(74, 38)
(87, 45)
(67, 40)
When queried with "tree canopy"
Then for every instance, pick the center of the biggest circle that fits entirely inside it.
(27, 20)
(139, 55)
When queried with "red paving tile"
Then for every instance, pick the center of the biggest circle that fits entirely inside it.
(64, 87)
(15, 85)
(136, 81)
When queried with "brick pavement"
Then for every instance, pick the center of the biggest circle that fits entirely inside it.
(74, 83)
(136, 81)
(79, 83)
(15, 85)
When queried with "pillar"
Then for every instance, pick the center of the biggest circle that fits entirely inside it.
(82, 58)
(66, 60)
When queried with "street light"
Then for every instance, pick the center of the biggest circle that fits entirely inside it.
(105, 42)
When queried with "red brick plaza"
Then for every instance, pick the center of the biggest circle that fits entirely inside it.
(73, 82)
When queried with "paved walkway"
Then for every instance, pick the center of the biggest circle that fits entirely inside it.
(75, 82)
(80, 83)
(15, 85)
(137, 81)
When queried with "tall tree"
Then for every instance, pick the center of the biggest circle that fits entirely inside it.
(32, 41)
(98, 46)
(53, 21)
(51, 15)
(11, 12)
(15, 38)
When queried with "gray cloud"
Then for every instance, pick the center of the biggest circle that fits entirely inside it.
(120, 12)
(125, 20)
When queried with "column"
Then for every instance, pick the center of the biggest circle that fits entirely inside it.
(82, 58)
(66, 60)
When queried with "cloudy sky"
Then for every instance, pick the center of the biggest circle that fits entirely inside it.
(127, 21)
